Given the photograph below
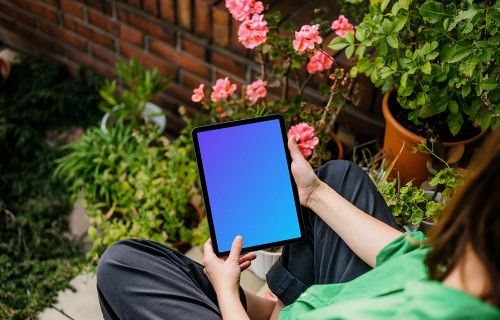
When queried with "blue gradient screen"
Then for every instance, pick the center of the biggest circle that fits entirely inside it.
(248, 184)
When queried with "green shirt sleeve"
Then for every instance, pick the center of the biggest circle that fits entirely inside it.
(405, 243)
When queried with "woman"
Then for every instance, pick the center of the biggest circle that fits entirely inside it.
(349, 231)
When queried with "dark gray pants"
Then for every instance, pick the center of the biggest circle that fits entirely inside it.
(140, 279)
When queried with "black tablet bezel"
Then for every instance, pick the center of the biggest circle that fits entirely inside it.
(208, 211)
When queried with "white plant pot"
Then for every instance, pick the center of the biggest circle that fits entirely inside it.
(149, 110)
(264, 262)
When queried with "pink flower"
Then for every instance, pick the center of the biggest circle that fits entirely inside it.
(222, 89)
(305, 134)
(198, 94)
(319, 62)
(306, 37)
(256, 90)
(243, 9)
(341, 25)
(253, 32)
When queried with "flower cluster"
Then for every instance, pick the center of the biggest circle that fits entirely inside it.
(306, 38)
(198, 94)
(256, 90)
(304, 136)
(252, 32)
(243, 9)
(341, 25)
(319, 62)
(222, 89)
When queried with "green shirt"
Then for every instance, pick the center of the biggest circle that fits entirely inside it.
(398, 288)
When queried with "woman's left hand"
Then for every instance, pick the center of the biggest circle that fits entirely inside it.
(224, 273)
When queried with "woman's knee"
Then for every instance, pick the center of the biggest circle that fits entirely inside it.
(337, 170)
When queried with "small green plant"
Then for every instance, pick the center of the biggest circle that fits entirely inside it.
(411, 205)
(442, 59)
(134, 186)
(141, 85)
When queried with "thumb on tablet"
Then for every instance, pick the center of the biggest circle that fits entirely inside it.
(294, 149)
(236, 249)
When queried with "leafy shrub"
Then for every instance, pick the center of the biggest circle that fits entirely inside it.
(36, 260)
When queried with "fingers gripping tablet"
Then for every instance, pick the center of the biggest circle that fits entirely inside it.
(247, 184)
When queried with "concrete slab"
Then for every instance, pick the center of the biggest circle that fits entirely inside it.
(80, 305)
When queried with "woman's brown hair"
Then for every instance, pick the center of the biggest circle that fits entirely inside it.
(472, 219)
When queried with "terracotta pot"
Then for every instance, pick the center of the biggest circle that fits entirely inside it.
(4, 70)
(411, 166)
(182, 246)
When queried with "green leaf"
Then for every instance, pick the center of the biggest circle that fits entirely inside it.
(486, 120)
(386, 27)
(465, 90)
(432, 55)
(349, 36)
(384, 5)
(433, 11)
(288, 26)
(417, 216)
(455, 122)
(404, 79)
(467, 67)
(453, 106)
(465, 15)
(395, 9)
(354, 72)
(449, 51)
(426, 68)
(349, 51)
(489, 84)
(338, 43)
(360, 51)
(399, 23)
(392, 40)
(459, 55)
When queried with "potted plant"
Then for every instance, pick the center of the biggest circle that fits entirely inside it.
(415, 207)
(132, 103)
(287, 64)
(441, 60)
(134, 186)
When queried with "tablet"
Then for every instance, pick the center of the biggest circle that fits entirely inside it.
(247, 184)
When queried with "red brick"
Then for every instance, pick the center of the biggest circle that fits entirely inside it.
(184, 14)
(220, 34)
(7, 23)
(73, 8)
(202, 14)
(91, 34)
(103, 6)
(104, 69)
(9, 36)
(230, 65)
(236, 45)
(68, 37)
(170, 54)
(194, 48)
(135, 3)
(191, 81)
(167, 10)
(151, 7)
(180, 93)
(51, 2)
(79, 57)
(153, 27)
(104, 55)
(18, 14)
(103, 21)
(147, 60)
(131, 35)
(38, 9)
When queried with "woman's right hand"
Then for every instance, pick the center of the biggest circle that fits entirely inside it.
(305, 178)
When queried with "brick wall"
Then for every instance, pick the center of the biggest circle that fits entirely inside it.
(194, 41)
